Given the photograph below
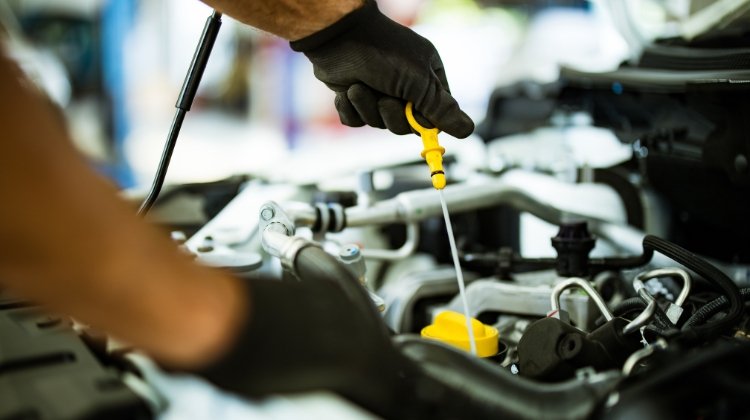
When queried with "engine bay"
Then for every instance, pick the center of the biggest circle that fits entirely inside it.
(602, 237)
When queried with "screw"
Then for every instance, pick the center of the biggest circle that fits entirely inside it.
(267, 213)
(349, 253)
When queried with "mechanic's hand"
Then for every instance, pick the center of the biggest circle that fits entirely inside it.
(375, 66)
(320, 333)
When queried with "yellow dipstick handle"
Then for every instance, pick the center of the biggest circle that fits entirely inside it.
(432, 152)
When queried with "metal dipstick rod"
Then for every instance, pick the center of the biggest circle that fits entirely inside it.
(433, 155)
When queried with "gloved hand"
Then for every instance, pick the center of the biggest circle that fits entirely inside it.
(375, 66)
(321, 333)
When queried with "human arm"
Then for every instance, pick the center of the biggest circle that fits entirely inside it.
(289, 19)
(69, 244)
(373, 64)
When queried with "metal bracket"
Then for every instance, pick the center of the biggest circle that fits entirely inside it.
(273, 217)
(277, 235)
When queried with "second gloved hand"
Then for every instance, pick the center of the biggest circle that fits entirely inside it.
(375, 66)
(321, 333)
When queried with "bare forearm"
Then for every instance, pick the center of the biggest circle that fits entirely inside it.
(70, 244)
(289, 19)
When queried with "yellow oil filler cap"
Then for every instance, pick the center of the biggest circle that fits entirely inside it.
(450, 328)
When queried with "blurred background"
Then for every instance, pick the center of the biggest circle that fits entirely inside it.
(116, 67)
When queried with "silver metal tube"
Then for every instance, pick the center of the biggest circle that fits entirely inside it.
(381, 213)
(644, 317)
(642, 354)
(284, 247)
(302, 214)
(407, 249)
(417, 205)
(587, 287)
(673, 272)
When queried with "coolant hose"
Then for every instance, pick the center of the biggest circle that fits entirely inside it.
(314, 265)
(476, 388)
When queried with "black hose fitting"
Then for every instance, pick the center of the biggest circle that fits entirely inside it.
(573, 244)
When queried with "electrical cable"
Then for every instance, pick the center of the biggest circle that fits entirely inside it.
(634, 303)
(710, 274)
(711, 308)
(183, 105)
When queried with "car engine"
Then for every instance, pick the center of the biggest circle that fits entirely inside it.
(603, 237)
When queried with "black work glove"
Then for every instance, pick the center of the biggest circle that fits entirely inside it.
(321, 333)
(375, 66)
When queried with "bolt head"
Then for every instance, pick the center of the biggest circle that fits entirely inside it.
(267, 213)
(349, 253)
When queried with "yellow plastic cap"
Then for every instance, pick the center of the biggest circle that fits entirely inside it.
(450, 328)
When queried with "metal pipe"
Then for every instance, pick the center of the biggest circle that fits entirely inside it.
(642, 354)
(301, 214)
(407, 249)
(284, 247)
(673, 272)
(417, 205)
(644, 317)
(586, 286)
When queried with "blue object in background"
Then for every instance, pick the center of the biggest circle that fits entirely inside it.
(617, 88)
(117, 17)
(290, 119)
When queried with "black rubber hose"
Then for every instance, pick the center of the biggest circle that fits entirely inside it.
(520, 263)
(475, 388)
(712, 308)
(628, 305)
(620, 263)
(313, 265)
(371, 372)
(710, 274)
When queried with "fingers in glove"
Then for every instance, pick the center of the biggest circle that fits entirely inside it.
(438, 106)
(392, 112)
(347, 113)
(439, 69)
(365, 101)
